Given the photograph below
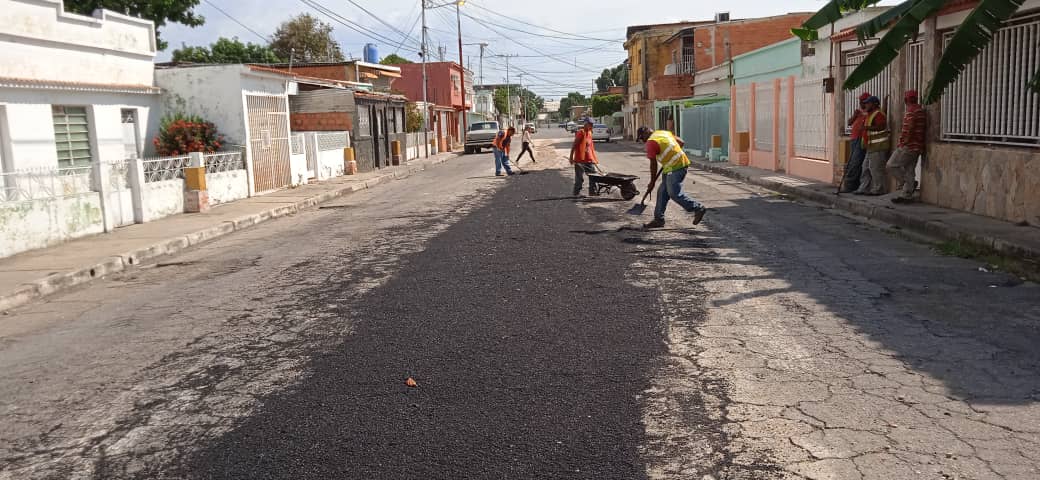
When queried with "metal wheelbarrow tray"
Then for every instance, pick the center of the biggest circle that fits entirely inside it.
(606, 182)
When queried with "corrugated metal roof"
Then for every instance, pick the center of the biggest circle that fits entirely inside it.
(77, 86)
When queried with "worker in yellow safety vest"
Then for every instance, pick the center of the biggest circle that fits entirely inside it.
(500, 146)
(665, 150)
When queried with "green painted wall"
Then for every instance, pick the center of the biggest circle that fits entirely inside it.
(778, 60)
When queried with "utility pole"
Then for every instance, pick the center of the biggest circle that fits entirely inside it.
(523, 107)
(482, 47)
(425, 109)
(464, 125)
(509, 93)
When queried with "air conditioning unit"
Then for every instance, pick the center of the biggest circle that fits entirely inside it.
(721, 17)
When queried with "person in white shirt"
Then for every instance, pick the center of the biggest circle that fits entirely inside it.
(525, 140)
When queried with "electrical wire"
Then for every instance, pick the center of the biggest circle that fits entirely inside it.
(404, 36)
(575, 36)
(410, 30)
(347, 22)
(233, 19)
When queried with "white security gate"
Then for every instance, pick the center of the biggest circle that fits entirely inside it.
(764, 103)
(269, 141)
(878, 86)
(810, 119)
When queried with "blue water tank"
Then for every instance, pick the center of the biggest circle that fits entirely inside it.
(371, 53)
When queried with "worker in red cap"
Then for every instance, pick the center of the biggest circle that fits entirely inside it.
(903, 163)
(850, 181)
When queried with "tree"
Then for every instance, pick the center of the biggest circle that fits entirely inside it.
(603, 105)
(531, 103)
(227, 51)
(611, 77)
(413, 119)
(394, 59)
(903, 21)
(311, 38)
(158, 11)
(572, 99)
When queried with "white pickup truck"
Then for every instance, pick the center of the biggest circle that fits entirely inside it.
(480, 135)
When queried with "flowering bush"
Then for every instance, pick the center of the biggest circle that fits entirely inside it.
(182, 134)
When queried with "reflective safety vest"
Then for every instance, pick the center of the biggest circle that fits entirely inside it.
(671, 156)
(499, 141)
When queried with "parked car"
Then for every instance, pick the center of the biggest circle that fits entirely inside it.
(600, 132)
(563, 125)
(480, 135)
(532, 126)
(572, 127)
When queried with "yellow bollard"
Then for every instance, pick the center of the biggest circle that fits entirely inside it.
(395, 152)
(349, 163)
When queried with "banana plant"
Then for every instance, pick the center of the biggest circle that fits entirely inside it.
(901, 24)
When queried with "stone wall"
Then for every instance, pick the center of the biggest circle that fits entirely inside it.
(993, 181)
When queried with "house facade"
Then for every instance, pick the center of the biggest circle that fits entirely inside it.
(665, 58)
(983, 153)
(445, 84)
(70, 123)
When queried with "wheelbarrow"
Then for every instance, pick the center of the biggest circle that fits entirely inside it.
(607, 182)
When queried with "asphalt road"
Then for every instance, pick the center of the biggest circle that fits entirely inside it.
(549, 338)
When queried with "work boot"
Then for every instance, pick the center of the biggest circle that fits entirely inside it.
(500, 174)
(655, 223)
(593, 193)
(699, 215)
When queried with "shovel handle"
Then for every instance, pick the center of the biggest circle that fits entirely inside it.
(647, 194)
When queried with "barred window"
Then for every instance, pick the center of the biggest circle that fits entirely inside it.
(71, 136)
(364, 121)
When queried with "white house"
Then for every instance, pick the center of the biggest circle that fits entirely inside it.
(248, 104)
(76, 100)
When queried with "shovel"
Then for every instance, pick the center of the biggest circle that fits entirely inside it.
(640, 207)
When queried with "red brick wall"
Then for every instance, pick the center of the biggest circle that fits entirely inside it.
(320, 122)
(331, 72)
(670, 87)
(743, 37)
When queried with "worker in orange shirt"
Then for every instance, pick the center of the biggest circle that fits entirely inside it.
(583, 157)
(500, 147)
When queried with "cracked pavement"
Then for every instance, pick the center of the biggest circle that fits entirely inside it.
(550, 338)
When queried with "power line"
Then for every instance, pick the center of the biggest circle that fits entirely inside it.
(575, 36)
(535, 49)
(404, 36)
(347, 22)
(233, 19)
(410, 30)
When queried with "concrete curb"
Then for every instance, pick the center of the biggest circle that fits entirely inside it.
(62, 281)
(902, 219)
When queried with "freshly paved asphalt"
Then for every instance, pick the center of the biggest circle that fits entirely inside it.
(549, 337)
(528, 348)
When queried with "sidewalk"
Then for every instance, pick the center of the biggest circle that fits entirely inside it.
(38, 273)
(944, 223)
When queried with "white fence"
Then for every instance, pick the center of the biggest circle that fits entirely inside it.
(163, 169)
(764, 103)
(810, 119)
(45, 183)
(990, 102)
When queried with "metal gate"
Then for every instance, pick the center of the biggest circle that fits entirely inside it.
(268, 141)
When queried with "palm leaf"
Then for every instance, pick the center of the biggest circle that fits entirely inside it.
(1035, 83)
(877, 24)
(889, 46)
(833, 11)
(974, 34)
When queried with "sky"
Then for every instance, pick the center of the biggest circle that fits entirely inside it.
(552, 63)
